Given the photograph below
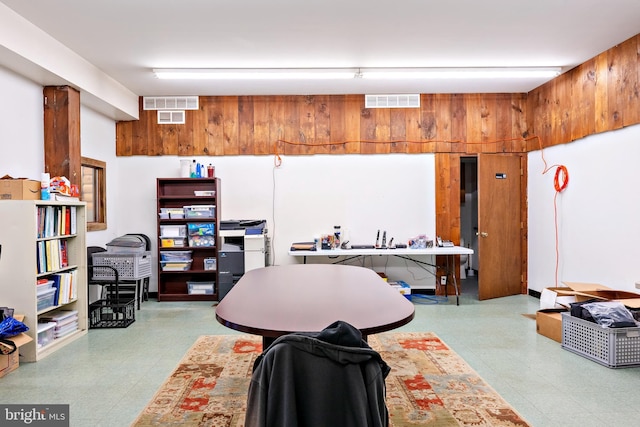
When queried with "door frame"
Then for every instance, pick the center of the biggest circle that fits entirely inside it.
(447, 180)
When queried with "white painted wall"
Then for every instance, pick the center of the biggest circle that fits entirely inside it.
(21, 127)
(304, 197)
(98, 140)
(597, 214)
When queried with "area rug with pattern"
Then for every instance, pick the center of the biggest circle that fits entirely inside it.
(429, 385)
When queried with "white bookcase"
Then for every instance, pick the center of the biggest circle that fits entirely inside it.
(28, 254)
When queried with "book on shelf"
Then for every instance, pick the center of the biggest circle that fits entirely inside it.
(64, 257)
(56, 221)
(56, 286)
(73, 220)
(64, 283)
(67, 220)
(47, 255)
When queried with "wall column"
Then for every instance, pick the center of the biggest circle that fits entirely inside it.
(62, 156)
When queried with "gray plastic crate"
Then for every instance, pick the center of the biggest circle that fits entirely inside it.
(129, 266)
(612, 347)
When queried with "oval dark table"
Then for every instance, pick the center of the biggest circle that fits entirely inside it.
(278, 300)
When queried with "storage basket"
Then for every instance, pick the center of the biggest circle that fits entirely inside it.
(112, 313)
(612, 347)
(129, 266)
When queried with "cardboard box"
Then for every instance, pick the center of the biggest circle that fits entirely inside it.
(578, 291)
(549, 324)
(553, 301)
(19, 189)
(10, 362)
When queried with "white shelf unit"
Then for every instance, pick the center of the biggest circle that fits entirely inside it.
(19, 270)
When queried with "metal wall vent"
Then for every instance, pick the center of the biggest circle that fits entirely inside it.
(170, 102)
(166, 117)
(392, 101)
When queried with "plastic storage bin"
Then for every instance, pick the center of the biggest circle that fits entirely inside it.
(46, 298)
(173, 231)
(200, 211)
(202, 229)
(129, 266)
(46, 333)
(65, 321)
(200, 288)
(171, 213)
(171, 242)
(175, 265)
(175, 255)
(202, 241)
(210, 264)
(612, 347)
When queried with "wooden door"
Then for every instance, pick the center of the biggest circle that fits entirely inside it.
(499, 225)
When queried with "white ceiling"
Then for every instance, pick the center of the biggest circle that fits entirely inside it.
(127, 38)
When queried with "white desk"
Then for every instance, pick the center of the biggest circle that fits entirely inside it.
(411, 254)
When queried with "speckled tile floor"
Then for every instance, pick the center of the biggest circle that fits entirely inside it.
(109, 375)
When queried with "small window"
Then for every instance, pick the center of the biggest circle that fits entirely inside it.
(94, 193)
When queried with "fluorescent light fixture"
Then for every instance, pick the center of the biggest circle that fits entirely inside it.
(459, 73)
(255, 74)
(351, 73)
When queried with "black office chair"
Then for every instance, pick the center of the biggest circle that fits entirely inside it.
(327, 378)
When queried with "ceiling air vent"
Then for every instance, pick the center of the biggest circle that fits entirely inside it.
(170, 102)
(392, 101)
(166, 117)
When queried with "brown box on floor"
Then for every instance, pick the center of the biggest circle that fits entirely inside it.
(10, 362)
(556, 300)
(19, 189)
(549, 323)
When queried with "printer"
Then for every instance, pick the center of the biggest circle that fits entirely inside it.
(243, 248)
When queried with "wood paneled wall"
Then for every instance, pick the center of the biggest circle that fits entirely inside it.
(332, 124)
(600, 95)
